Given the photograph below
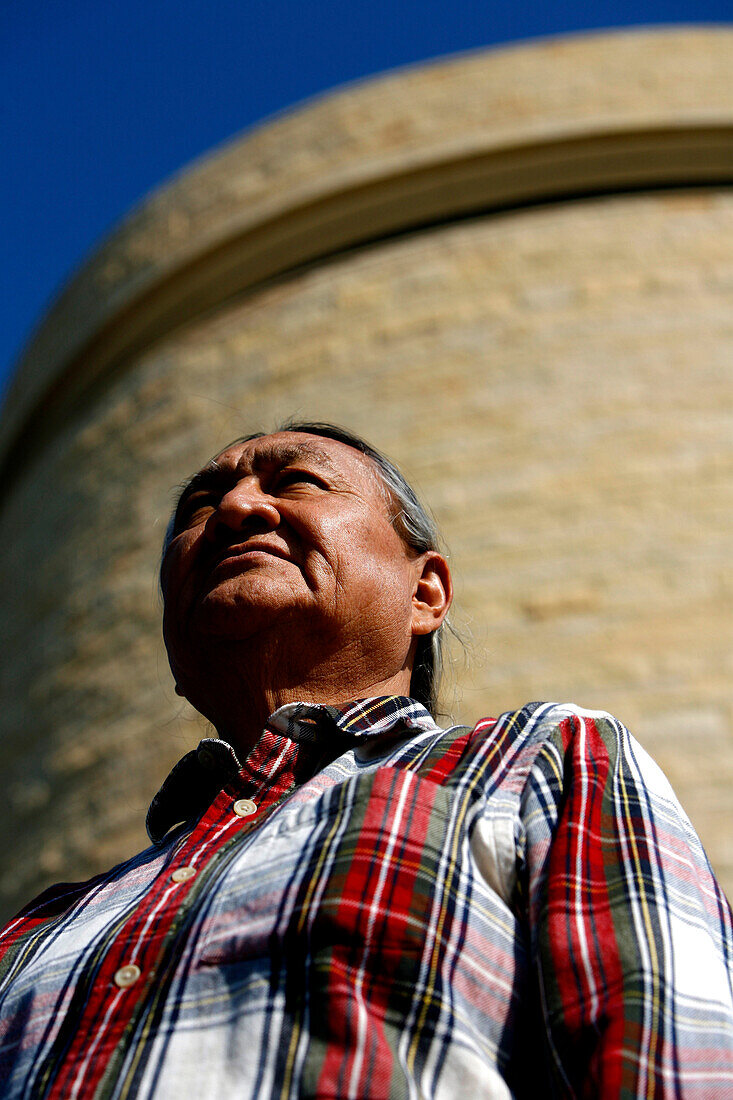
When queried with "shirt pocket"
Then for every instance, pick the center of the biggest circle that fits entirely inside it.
(355, 880)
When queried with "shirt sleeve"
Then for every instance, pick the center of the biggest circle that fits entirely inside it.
(629, 931)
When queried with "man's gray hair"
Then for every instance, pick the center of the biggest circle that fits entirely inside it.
(412, 522)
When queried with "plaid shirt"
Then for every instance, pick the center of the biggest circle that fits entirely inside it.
(371, 906)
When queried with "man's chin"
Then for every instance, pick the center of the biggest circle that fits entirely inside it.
(240, 616)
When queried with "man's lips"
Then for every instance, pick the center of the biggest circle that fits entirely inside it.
(243, 551)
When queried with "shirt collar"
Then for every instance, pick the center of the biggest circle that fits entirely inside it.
(359, 718)
(298, 740)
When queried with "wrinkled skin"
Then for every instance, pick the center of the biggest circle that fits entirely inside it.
(285, 579)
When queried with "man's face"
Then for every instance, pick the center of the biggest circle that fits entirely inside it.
(292, 532)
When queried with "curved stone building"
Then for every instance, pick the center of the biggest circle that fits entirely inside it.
(513, 271)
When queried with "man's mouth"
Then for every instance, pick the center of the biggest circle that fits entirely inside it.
(248, 550)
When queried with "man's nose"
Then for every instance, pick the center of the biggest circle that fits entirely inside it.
(244, 507)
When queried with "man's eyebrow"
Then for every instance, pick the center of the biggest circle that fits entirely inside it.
(282, 455)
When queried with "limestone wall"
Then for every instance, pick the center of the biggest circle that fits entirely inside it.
(556, 377)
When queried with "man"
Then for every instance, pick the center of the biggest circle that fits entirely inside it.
(344, 899)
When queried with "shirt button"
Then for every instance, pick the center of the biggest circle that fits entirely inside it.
(244, 807)
(206, 759)
(183, 874)
(127, 976)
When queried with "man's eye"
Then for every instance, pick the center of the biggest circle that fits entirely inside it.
(194, 511)
(293, 478)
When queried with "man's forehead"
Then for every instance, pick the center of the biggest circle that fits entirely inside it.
(281, 448)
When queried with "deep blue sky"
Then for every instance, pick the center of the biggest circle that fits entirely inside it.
(101, 101)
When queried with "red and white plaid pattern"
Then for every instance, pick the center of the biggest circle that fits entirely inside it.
(519, 909)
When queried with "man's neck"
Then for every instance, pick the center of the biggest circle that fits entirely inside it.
(239, 698)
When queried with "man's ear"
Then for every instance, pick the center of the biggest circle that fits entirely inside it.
(433, 594)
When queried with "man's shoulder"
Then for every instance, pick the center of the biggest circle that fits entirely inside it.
(559, 741)
(541, 721)
(559, 738)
